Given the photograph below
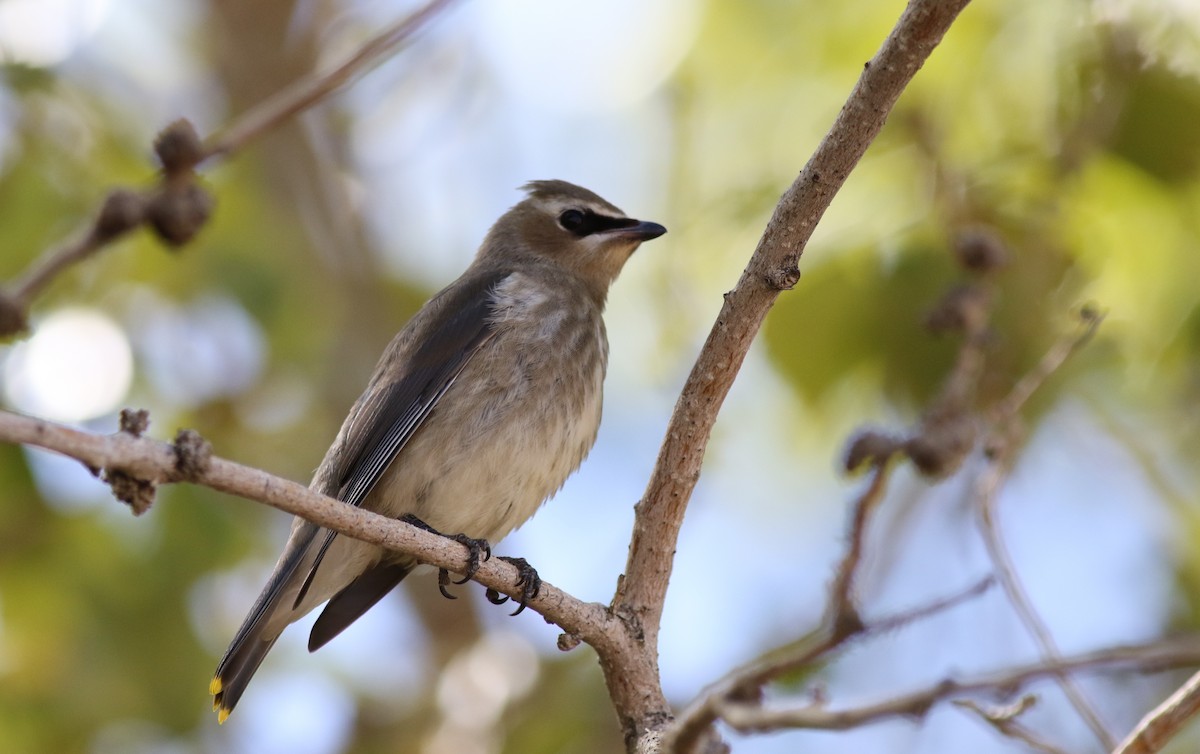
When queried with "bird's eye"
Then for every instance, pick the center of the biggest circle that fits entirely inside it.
(572, 220)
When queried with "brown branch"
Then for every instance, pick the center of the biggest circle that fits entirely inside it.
(1154, 731)
(151, 462)
(771, 269)
(1156, 656)
(177, 207)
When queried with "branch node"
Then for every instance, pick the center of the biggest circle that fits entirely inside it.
(122, 211)
(193, 453)
(632, 622)
(179, 147)
(847, 622)
(964, 308)
(567, 642)
(134, 421)
(870, 447)
(980, 250)
(785, 277)
(942, 446)
(178, 211)
(138, 494)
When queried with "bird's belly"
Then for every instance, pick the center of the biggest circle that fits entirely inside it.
(507, 459)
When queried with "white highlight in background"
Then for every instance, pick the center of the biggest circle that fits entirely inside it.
(77, 366)
(607, 57)
(46, 32)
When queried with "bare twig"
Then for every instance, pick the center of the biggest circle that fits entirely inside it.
(1152, 657)
(1089, 322)
(309, 91)
(1004, 720)
(985, 491)
(1154, 731)
(842, 613)
(745, 684)
(907, 618)
(986, 487)
(772, 269)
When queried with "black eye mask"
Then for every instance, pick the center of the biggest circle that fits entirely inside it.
(586, 222)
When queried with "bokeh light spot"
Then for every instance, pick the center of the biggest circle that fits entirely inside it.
(77, 366)
(45, 32)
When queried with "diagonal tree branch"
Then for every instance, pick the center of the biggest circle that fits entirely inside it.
(1154, 731)
(771, 270)
(126, 456)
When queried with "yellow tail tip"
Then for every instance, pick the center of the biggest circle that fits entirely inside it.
(214, 686)
(222, 715)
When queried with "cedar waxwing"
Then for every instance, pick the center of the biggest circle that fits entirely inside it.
(478, 411)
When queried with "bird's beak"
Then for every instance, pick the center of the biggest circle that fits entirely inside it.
(640, 230)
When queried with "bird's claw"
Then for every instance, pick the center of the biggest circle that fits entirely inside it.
(528, 581)
(478, 551)
(443, 582)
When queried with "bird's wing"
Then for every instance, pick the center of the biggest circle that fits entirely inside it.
(391, 415)
(432, 351)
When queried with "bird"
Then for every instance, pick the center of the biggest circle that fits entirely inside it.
(477, 412)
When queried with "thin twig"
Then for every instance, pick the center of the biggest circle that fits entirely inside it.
(986, 492)
(303, 94)
(746, 682)
(842, 613)
(842, 621)
(1154, 731)
(1051, 362)
(1004, 721)
(39, 274)
(1156, 656)
(986, 488)
(899, 620)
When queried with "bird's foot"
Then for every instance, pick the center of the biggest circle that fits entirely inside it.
(478, 551)
(528, 581)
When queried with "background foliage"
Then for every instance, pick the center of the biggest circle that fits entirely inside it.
(1067, 128)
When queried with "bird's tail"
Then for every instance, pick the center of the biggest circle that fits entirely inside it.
(261, 627)
(235, 672)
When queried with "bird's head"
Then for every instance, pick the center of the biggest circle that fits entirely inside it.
(573, 228)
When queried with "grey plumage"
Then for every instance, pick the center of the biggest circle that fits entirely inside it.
(478, 411)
